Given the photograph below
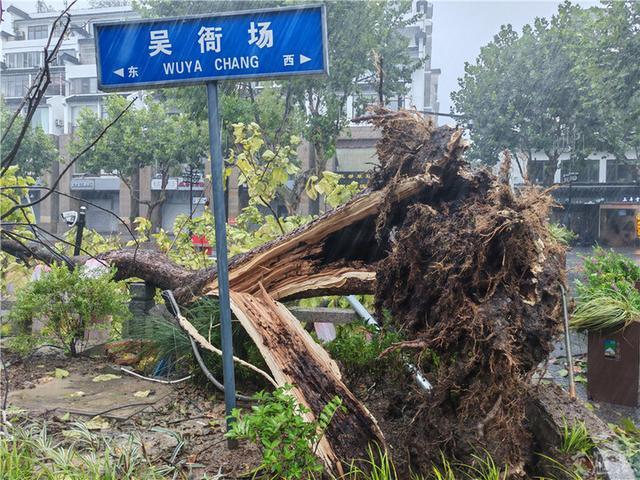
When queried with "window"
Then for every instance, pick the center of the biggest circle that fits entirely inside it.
(587, 170)
(56, 87)
(58, 60)
(24, 60)
(536, 171)
(15, 85)
(34, 32)
(41, 119)
(84, 85)
(87, 53)
(620, 172)
(57, 31)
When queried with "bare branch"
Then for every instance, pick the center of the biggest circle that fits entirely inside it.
(37, 90)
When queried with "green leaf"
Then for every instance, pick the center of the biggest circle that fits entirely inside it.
(61, 373)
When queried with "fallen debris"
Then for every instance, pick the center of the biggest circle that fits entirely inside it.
(467, 269)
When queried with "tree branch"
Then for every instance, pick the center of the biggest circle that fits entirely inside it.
(37, 90)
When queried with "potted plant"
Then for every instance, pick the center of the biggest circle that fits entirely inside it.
(608, 308)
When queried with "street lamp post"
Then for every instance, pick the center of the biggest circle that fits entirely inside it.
(569, 178)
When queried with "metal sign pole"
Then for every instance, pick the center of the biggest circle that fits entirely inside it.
(217, 174)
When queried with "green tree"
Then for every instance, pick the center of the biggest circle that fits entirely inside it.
(313, 107)
(70, 301)
(145, 136)
(37, 152)
(522, 92)
(609, 74)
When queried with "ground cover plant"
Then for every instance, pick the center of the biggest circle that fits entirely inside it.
(359, 347)
(69, 301)
(608, 298)
(288, 441)
(30, 452)
(575, 439)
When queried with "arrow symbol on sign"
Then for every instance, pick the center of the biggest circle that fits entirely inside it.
(119, 72)
(304, 59)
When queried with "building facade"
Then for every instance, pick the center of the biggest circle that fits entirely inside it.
(74, 88)
(597, 197)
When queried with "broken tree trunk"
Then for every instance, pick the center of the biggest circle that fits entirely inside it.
(296, 359)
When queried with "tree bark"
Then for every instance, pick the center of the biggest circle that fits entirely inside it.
(296, 359)
(550, 168)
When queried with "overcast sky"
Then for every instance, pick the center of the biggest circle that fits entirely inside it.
(460, 28)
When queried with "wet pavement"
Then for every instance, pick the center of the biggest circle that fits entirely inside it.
(112, 395)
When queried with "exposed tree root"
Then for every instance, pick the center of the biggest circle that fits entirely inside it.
(472, 278)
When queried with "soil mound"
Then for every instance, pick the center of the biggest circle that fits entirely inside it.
(472, 278)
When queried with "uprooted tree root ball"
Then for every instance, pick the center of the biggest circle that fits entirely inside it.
(472, 278)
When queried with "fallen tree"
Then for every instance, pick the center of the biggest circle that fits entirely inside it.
(468, 271)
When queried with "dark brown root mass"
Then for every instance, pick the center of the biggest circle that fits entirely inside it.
(472, 279)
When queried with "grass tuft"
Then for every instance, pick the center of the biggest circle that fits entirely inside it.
(575, 439)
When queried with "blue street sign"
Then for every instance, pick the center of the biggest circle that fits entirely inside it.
(170, 52)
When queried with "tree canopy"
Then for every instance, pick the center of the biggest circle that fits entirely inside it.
(608, 70)
(37, 152)
(149, 135)
(555, 88)
(314, 108)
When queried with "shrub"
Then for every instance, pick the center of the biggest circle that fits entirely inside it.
(278, 427)
(358, 348)
(172, 342)
(69, 301)
(608, 298)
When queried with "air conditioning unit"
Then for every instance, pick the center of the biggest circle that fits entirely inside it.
(59, 123)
